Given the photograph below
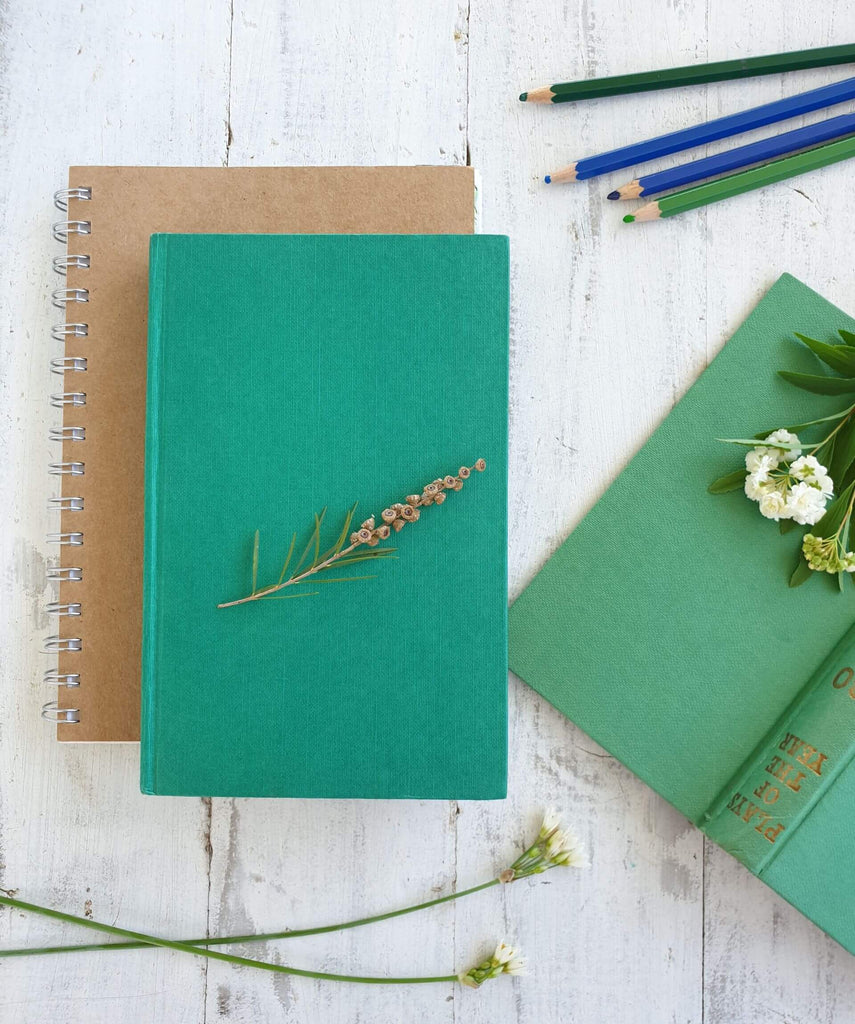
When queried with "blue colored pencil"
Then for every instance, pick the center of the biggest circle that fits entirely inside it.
(743, 156)
(699, 134)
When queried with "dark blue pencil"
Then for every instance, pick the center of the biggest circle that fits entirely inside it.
(742, 156)
(699, 134)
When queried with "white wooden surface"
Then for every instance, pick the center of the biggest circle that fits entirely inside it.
(610, 325)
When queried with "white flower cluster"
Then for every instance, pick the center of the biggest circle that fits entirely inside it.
(785, 483)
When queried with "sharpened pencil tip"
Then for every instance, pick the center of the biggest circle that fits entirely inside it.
(548, 178)
(523, 96)
(629, 219)
(613, 195)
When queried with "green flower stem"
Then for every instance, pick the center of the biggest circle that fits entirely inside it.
(184, 947)
(140, 941)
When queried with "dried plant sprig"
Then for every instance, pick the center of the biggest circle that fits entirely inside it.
(368, 535)
(505, 960)
(544, 853)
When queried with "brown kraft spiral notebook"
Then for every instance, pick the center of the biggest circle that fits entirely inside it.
(111, 212)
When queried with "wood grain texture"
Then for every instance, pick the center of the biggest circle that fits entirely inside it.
(609, 328)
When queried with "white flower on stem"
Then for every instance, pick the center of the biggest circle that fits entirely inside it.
(756, 485)
(505, 960)
(806, 504)
(784, 437)
(554, 847)
(809, 470)
(761, 461)
(773, 505)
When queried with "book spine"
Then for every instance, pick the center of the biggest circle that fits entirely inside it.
(157, 262)
(793, 767)
(71, 466)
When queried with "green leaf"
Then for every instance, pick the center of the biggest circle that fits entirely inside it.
(794, 428)
(834, 514)
(287, 597)
(820, 385)
(353, 559)
(840, 576)
(844, 452)
(341, 579)
(785, 525)
(730, 482)
(840, 358)
(318, 520)
(848, 337)
(751, 442)
(255, 563)
(288, 557)
(803, 572)
(339, 544)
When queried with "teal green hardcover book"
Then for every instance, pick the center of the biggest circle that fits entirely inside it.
(288, 374)
(665, 628)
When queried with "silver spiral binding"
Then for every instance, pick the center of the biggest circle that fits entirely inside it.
(63, 610)
(61, 398)
(72, 539)
(59, 332)
(68, 364)
(62, 643)
(65, 504)
(54, 713)
(54, 678)
(66, 468)
(63, 228)
(62, 195)
(62, 263)
(67, 434)
(62, 298)
(63, 573)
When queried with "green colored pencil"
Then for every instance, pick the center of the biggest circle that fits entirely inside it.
(745, 181)
(695, 74)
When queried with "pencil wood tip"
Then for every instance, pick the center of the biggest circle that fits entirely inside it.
(565, 174)
(544, 95)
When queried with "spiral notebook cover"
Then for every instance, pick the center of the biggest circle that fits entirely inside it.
(291, 374)
(664, 626)
(103, 364)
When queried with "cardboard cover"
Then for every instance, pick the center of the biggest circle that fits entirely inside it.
(128, 205)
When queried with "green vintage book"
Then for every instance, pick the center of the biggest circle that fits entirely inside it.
(664, 627)
(288, 373)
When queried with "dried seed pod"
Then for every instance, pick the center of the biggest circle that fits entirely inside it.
(458, 486)
(368, 524)
(373, 542)
(364, 535)
(398, 525)
(408, 512)
(480, 465)
(431, 489)
(448, 481)
(388, 515)
(354, 538)
(439, 499)
(382, 532)
(464, 472)
(413, 499)
(415, 515)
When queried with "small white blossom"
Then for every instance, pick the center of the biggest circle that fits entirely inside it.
(505, 960)
(756, 486)
(784, 437)
(773, 505)
(761, 461)
(806, 504)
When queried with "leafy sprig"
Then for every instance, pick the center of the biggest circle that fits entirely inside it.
(826, 545)
(361, 546)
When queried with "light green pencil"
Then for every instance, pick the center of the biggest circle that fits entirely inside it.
(744, 181)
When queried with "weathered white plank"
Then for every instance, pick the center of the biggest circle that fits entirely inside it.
(343, 84)
(85, 83)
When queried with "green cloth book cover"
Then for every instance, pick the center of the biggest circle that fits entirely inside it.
(288, 374)
(665, 628)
